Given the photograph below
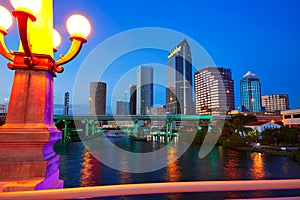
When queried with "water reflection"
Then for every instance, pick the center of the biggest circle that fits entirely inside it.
(125, 177)
(257, 169)
(90, 170)
(79, 168)
(173, 171)
(231, 167)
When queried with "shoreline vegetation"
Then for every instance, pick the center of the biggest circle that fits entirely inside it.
(284, 141)
(243, 144)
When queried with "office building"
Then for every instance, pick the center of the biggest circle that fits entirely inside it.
(132, 103)
(250, 93)
(66, 103)
(122, 108)
(144, 90)
(158, 111)
(214, 91)
(179, 97)
(275, 102)
(97, 99)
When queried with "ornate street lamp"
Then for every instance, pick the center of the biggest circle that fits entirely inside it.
(27, 159)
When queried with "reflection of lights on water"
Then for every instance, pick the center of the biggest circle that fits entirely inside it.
(173, 170)
(257, 170)
(231, 167)
(89, 171)
(125, 177)
(232, 171)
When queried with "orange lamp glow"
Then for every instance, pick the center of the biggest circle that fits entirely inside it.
(32, 5)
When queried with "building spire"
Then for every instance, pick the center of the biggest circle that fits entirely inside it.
(249, 73)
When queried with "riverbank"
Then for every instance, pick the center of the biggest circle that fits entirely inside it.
(295, 154)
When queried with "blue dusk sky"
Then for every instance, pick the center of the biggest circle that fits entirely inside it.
(259, 35)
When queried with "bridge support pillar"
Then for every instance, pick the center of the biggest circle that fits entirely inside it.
(209, 126)
(93, 127)
(171, 128)
(87, 127)
(135, 127)
(199, 125)
(65, 136)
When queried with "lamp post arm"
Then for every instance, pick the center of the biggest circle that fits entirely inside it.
(22, 16)
(77, 42)
(3, 50)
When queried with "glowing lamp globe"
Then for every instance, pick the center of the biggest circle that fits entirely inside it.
(78, 24)
(5, 18)
(56, 38)
(33, 5)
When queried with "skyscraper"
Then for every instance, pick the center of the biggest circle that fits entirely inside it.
(250, 93)
(66, 103)
(214, 91)
(122, 108)
(97, 104)
(275, 102)
(132, 103)
(179, 80)
(144, 90)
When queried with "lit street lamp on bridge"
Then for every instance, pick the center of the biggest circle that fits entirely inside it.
(27, 159)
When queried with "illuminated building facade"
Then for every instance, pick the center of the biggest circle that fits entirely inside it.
(179, 80)
(214, 91)
(97, 99)
(275, 102)
(250, 93)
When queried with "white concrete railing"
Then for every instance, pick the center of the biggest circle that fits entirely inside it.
(155, 188)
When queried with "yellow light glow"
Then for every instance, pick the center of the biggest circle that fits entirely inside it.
(56, 38)
(33, 5)
(78, 24)
(5, 18)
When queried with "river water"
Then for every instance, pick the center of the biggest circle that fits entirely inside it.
(79, 168)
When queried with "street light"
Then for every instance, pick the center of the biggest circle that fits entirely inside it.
(27, 59)
(28, 136)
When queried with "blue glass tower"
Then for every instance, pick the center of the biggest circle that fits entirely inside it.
(250, 93)
(144, 90)
(179, 80)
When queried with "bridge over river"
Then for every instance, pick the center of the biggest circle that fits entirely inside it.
(92, 126)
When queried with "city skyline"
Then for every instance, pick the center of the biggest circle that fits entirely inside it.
(267, 42)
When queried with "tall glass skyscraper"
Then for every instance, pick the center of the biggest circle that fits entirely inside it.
(132, 104)
(144, 90)
(250, 93)
(179, 80)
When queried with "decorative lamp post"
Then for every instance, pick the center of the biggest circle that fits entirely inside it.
(27, 159)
